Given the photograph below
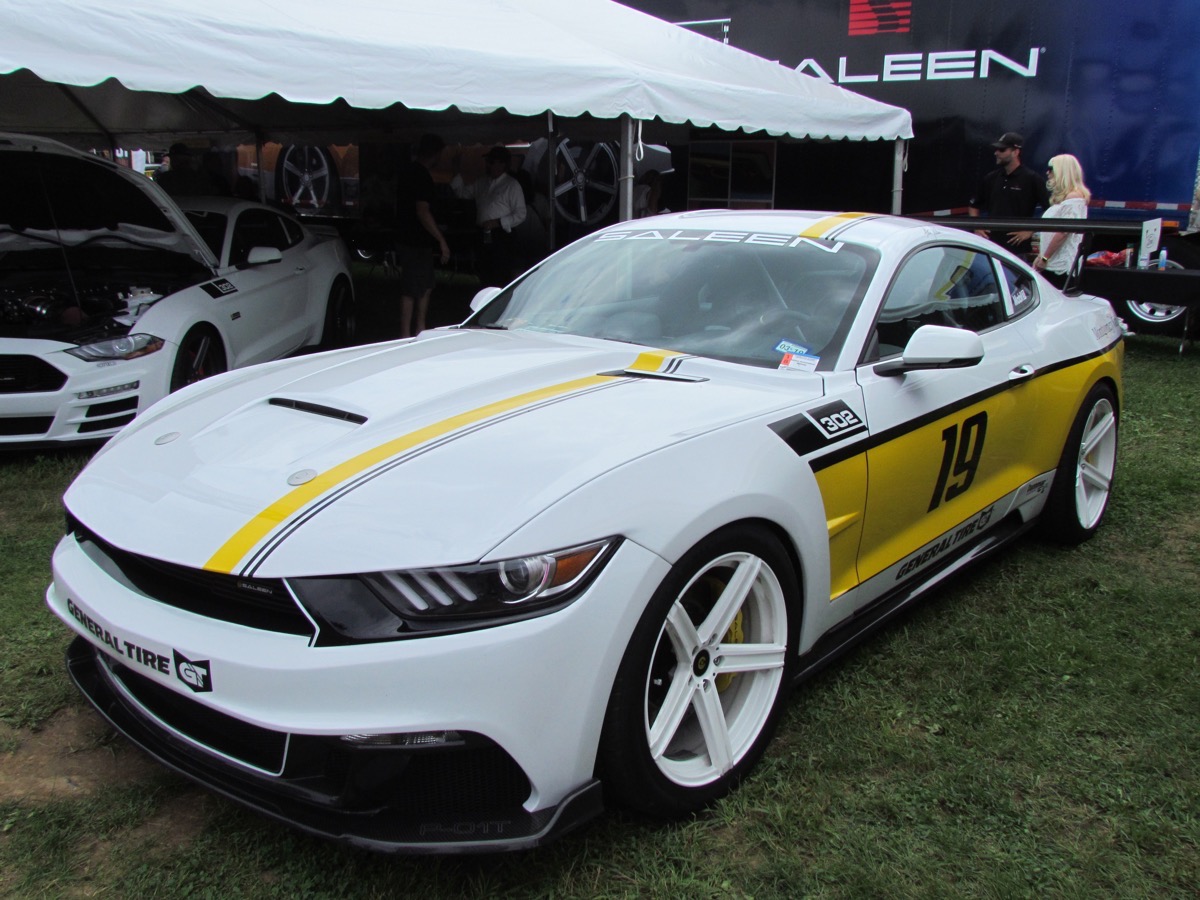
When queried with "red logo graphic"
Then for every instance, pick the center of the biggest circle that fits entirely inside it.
(880, 16)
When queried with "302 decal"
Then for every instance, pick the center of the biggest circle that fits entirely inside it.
(962, 449)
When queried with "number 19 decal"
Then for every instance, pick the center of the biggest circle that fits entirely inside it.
(960, 458)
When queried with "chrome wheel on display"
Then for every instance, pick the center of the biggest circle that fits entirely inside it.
(585, 187)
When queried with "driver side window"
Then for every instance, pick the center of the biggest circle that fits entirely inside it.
(951, 286)
(256, 228)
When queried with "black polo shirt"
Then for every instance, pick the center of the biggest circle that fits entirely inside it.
(1006, 195)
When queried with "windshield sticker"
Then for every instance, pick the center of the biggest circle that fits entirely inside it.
(219, 288)
(789, 347)
(723, 237)
(799, 362)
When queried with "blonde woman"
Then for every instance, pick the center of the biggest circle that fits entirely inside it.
(1068, 200)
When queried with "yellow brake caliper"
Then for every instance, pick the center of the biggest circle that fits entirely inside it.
(734, 635)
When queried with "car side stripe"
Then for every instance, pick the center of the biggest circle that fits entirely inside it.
(253, 532)
(801, 436)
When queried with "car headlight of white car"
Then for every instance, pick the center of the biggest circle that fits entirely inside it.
(381, 606)
(129, 346)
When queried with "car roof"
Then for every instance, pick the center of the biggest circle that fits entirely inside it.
(871, 229)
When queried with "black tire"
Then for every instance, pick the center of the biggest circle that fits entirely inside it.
(1083, 481)
(201, 355)
(680, 658)
(341, 321)
(306, 178)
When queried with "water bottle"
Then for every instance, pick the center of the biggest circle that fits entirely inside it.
(1162, 258)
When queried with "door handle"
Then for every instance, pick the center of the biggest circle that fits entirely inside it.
(1020, 373)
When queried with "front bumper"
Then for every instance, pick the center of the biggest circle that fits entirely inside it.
(50, 398)
(264, 716)
(465, 798)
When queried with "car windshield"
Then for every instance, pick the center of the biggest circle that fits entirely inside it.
(745, 297)
(210, 226)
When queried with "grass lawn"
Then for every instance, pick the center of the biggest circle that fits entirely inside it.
(1033, 730)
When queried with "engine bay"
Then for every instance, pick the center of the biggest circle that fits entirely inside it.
(84, 303)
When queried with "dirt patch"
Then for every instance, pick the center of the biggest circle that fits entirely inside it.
(73, 755)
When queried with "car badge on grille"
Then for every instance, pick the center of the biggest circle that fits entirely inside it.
(195, 673)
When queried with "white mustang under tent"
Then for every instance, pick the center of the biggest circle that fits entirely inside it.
(144, 73)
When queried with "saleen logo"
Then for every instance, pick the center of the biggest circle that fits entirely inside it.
(880, 16)
(940, 65)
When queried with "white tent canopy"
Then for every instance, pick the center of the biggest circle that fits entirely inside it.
(268, 69)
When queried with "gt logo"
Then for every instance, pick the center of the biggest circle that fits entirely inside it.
(960, 458)
(836, 420)
(196, 674)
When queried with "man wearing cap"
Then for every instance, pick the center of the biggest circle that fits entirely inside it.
(1010, 191)
(499, 208)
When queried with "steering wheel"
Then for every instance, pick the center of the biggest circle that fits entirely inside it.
(786, 320)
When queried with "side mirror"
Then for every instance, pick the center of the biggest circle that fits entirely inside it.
(936, 347)
(484, 297)
(260, 256)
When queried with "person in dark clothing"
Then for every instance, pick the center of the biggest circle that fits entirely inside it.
(1010, 191)
(186, 176)
(418, 237)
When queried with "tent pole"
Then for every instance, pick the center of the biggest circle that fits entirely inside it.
(898, 160)
(625, 181)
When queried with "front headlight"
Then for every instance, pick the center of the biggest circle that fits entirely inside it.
(382, 606)
(129, 346)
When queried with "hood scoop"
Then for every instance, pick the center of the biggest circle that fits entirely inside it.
(652, 375)
(318, 409)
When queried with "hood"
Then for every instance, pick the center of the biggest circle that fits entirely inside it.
(52, 196)
(405, 455)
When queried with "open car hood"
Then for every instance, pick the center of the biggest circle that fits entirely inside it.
(54, 196)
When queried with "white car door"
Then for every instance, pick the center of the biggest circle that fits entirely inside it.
(946, 443)
(267, 310)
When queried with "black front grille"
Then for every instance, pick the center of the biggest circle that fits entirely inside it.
(94, 425)
(262, 603)
(28, 375)
(112, 407)
(259, 747)
(15, 426)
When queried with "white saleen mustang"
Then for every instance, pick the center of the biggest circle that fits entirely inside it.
(449, 593)
(111, 296)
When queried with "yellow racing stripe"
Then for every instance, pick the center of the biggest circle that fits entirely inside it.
(822, 227)
(249, 535)
(653, 361)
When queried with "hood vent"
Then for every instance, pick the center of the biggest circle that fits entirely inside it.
(318, 410)
(653, 375)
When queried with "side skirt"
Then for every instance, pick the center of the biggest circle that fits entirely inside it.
(873, 617)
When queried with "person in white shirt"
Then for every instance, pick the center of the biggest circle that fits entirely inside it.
(499, 208)
(1068, 200)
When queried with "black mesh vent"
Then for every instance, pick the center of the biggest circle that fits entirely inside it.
(255, 746)
(28, 375)
(18, 425)
(104, 424)
(262, 603)
(111, 407)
